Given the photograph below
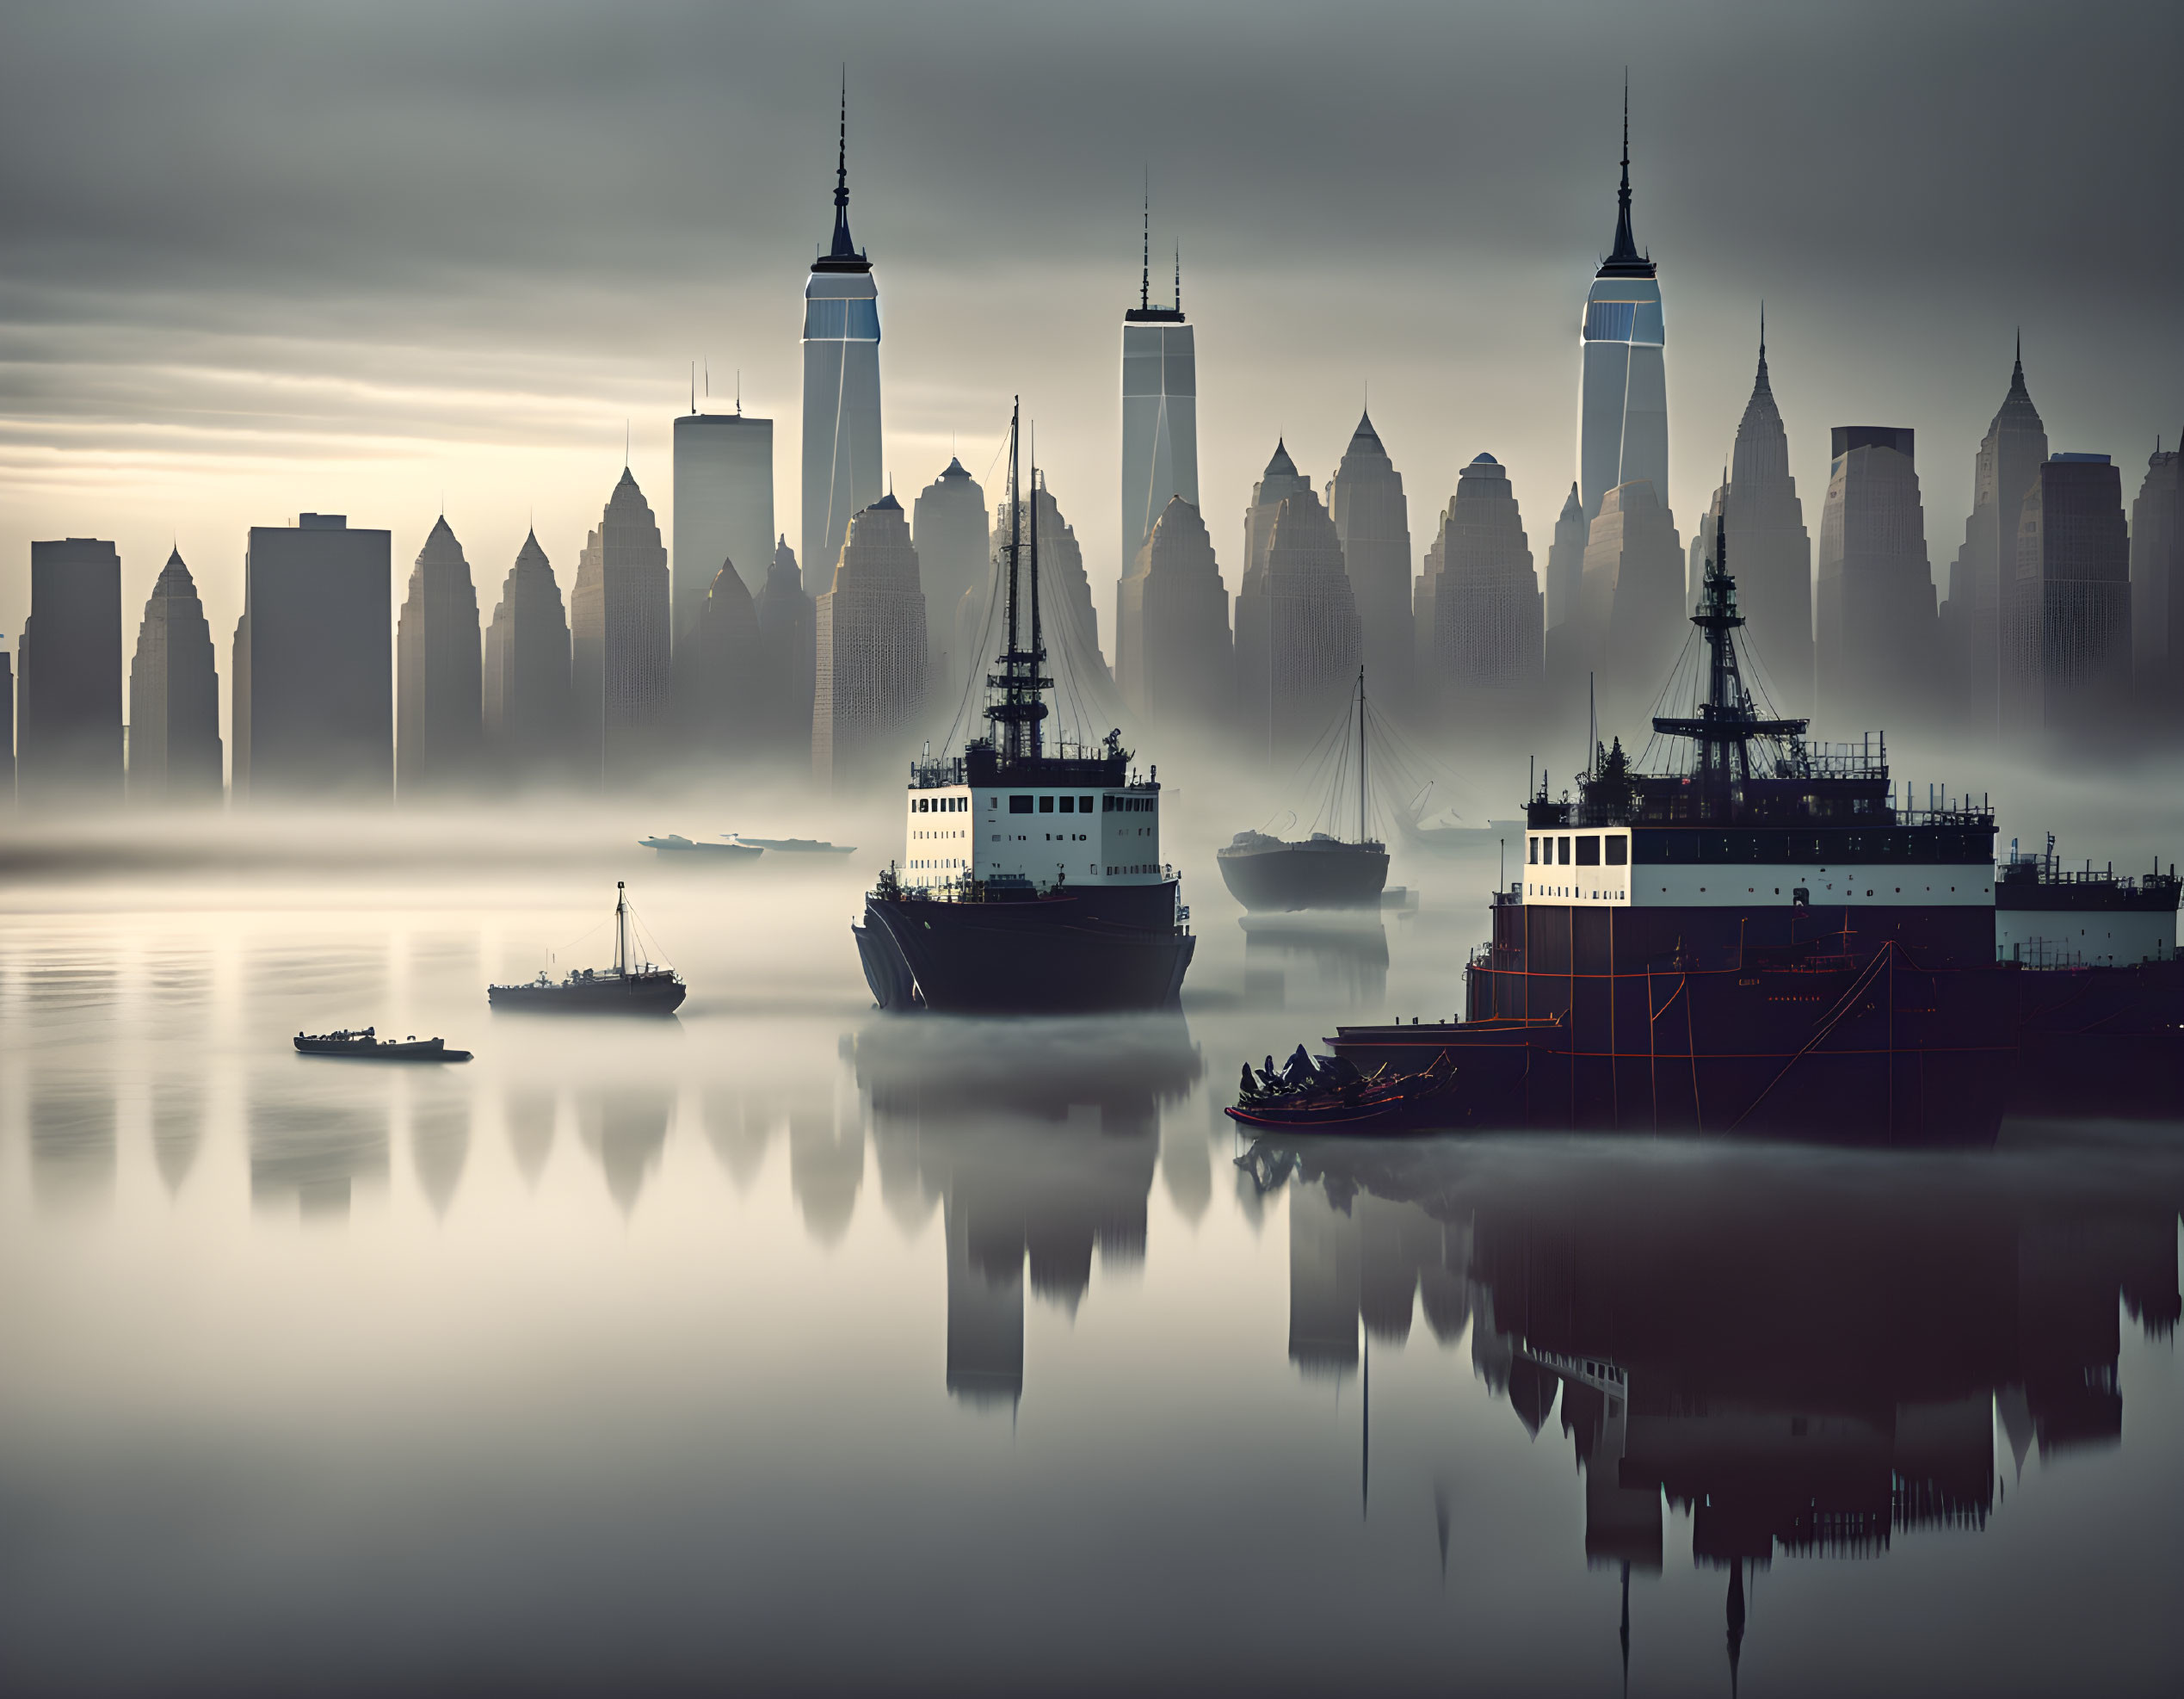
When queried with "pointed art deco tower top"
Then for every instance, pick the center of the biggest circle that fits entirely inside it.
(1625, 261)
(843, 255)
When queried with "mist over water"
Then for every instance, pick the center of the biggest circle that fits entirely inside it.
(785, 1346)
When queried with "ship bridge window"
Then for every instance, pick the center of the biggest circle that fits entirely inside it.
(1069, 805)
(1532, 857)
(1046, 805)
(1562, 850)
(1588, 851)
(1619, 852)
(1085, 805)
(1020, 805)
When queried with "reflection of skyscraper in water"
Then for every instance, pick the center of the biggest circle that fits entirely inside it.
(72, 1124)
(625, 1125)
(311, 1152)
(1343, 961)
(738, 1132)
(439, 1139)
(177, 1127)
(1041, 1156)
(529, 1112)
(826, 1168)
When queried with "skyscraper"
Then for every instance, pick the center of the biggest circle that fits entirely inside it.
(1173, 662)
(1624, 435)
(2157, 586)
(1303, 604)
(870, 629)
(842, 468)
(1695, 552)
(1276, 485)
(723, 503)
(1566, 559)
(2008, 466)
(68, 674)
(955, 556)
(438, 731)
(1772, 551)
(1876, 642)
(1365, 499)
(1159, 408)
(313, 673)
(617, 624)
(7, 730)
(526, 706)
(1629, 623)
(723, 708)
(2066, 622)
(173, 697)
(1481, 653)
(788, 631)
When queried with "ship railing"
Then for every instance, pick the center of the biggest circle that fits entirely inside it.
(1970, 818)
(935, 772)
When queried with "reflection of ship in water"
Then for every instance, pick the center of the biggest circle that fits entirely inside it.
(1039, 1151)
(1810, 1356)
(1302, 960)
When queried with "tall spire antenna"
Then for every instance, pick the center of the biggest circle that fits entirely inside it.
(694, 385)
(1179, 280)
(843, 248)
(1144, 281)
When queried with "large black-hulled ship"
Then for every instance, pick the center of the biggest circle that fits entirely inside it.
(1757, 937)
(1031, 882)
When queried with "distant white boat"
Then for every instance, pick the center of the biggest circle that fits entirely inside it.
(673, 843)
(793, 846)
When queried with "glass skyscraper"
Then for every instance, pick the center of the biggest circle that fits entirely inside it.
(1624, 435)
(1159, 412)
(842, 469)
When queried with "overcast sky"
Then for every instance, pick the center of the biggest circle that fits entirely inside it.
(370, 258)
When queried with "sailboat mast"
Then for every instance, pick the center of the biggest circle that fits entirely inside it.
(1038, 647)
(1015, 522)
(621, 929)
(1360, 755)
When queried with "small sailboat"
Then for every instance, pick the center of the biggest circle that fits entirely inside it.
(626, 988)
(1267, 873)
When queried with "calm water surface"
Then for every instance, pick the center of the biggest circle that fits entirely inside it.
(785, 1348)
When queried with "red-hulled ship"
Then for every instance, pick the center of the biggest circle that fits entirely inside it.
(1754, 937)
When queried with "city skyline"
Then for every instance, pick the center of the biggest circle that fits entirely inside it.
(128, 440)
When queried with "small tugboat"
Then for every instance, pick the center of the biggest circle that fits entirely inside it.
(795, 846)
(675, 843)
(1267, 873)
(623, 989)
(367, 1047)
(1040, 888)
(1329, 1095)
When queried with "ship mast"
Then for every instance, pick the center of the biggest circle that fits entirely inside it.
(621, 930)
(1021, 704)
(1726, 722)
(1360, 755)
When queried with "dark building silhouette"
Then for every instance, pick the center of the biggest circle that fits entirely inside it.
(721, 658)
(724, 503)
(2066, 622)
(1876, 641)
(1771, 551)
(955, 559)
(175, 697)
(313, 674)
(525, 703)
(618, 628)
(2157, 587)
(6, 729)
(871, 630)
(438, 730)
(1298, 673)
(2008, 463)
(788, 650)
(1480, 612)
(1365, 499)
(68, 676)
(1173, 662)
(1629, 623)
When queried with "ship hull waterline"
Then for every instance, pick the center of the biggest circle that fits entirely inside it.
(1063, 953)
(1285, 877)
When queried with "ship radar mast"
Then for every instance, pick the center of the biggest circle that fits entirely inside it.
(1726, 723)
(1020, 709)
